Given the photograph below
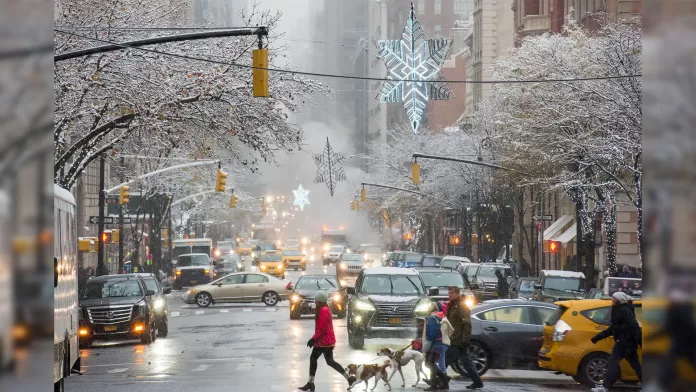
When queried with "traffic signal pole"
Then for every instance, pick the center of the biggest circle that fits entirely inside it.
(101, 269)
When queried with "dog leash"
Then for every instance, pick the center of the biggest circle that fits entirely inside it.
(399, 351)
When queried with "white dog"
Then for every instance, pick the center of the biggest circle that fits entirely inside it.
(402, 358)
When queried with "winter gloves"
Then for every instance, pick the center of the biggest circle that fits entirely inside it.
(594, 340)
(310, 343)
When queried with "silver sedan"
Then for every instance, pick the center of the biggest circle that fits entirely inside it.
(240, 287)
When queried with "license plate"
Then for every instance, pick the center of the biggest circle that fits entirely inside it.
(394, 321)
(194, 281)
(110, 328)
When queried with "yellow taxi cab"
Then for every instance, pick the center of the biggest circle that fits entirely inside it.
(271, 262)
(244, 249)
(293, 258)
(567, 347)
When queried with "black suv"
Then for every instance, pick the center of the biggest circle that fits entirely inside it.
(306, 288)
(443, 279)
(483, 279)
(385, 302)
(117, 307)
(159, 302)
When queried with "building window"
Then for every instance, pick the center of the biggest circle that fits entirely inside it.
(438, 7)
(463, 8)
(421, 7)
(438, 31)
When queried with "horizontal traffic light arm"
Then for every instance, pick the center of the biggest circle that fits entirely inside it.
(160, 171)
(469, 161)
(393, 187)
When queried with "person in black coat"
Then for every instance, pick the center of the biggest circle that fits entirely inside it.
(627, 336)
(503, 287)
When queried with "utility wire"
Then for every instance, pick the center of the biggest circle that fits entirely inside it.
(278, 70)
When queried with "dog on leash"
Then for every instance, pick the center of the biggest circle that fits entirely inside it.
(364, 373)
(402, 358)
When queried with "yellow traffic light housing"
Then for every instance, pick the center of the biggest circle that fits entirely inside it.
(220, 181)
(263, 206)
(115, 236)
(352, 204)
(415, 173)
(260, 72)
(233, 201)
(363, 195)
(124, 195)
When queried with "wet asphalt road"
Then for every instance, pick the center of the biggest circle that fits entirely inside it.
(243, 346)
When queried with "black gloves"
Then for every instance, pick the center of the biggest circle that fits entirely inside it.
(310, 343)
(594, 340)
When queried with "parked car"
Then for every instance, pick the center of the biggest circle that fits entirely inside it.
(240, 287)
(192, 269)
(483, 279)
(385, 302)
(523, 288)
(556, 285)
(431, 261)
(116, 307)
(443, 279)
(293, 258)
(307, 286)
(333, 254)
(506, 333)
(159, 302)
(567, 347)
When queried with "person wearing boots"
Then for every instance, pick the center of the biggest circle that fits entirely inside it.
(435, 343)
(627, 336)
(323, 341)
(460, 319)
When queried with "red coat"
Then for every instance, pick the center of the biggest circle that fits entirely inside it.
(323, 329)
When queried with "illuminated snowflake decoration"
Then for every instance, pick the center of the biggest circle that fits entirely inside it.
(414, 63)
(301, 197)
(329, 169)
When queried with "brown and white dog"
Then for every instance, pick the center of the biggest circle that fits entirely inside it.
(402, 358)
(364, 373)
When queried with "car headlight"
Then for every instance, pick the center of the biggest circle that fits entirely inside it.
(296, 298)
(362, 305)
(365, 256)
(423, 306)
(469, 301)
(207, 271)
(337, 297)
(159, 304)
(253, 254)
(263, 267)
(280, 267)
(344, 266)
(141, 308)
(239, 265)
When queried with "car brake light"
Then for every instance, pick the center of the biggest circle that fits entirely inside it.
(560, 331)
(289, 286)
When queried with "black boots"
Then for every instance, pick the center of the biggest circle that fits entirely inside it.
(307, 387)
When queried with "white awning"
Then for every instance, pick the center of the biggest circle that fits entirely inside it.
(568, 235)
(557, 226)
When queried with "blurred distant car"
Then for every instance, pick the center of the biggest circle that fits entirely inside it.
(294, 258)
(240, 287)
(483, 279)
(567, 346)
(271, 262)
(228, 264)
(523, 288)
(556, 285)
(443, 279)
(261, 249)
(431, 261)
(506, 333)
(349, 266)
(371, 253)
(410, 260)
(34, 319)
(302, 297)
(333, 254)
(192, 269)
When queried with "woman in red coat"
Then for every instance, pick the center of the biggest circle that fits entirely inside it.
(323, 342)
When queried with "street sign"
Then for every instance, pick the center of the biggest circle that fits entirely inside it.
(109, 220)
(543, 217)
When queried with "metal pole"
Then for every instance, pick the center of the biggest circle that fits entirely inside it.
(579, 240)
(469, 161)
(120, 239)
(100, 226)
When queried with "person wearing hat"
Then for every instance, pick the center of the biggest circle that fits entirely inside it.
(323, 341)
(436, 340)
(627, 336)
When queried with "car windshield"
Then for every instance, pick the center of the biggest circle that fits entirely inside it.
(413, 258)
(450, 263)
(527, 285)
(442, 279)
(271, 257)
(351, 257)
(564, 283)
(337, 249)
(316, 283)
(265, 247)
(112, 289)
(489, 271)
(392, 284)
(372, 249)
(229, 265)
(192, 260)
(292, 253)
(150, 283)
(431, 261)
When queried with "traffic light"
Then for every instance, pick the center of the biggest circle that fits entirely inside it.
(259, 59)
(415, 173)
(363, 195)
(263, 206)
(352, 204)
(233, 201)
(553, 246)
(220, 181)
(457, 240)
(125, 195)
(115, 235)
(106, 237)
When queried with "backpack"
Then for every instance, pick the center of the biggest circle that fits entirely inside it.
(447, 331)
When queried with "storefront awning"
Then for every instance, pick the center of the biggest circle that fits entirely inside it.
(557, 226)
(568, 235)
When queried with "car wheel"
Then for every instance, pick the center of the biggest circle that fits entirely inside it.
(592, 369)
(163, 328)
(85, 343)
(341, 314)
(479, 356)
(356, 340)
(146, 337)
(270, 298)
(295, 314)
(203, 299)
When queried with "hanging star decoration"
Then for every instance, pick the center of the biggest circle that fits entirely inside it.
(301, 197)
(414, 63)
(329, 169)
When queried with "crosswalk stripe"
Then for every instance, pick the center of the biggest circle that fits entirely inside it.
(247, 309)
(119, 370)
(224, 310)
(174, 314)
(200, 368)
(271, 309)
(199, 312)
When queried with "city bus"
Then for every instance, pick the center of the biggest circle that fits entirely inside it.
(65, 296)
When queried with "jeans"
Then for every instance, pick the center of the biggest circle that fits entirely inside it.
(619, 352)
(442, 351)
(328, 356)
(432, 359)
(455, 353)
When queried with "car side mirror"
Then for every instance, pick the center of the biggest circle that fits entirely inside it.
(350, 290)
(218, 284)
(150, 293)
(433, 291)
(167, 290)
(537, 287)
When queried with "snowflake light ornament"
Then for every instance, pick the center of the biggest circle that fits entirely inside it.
(329, 169)
(301, 197)
(419, 61)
